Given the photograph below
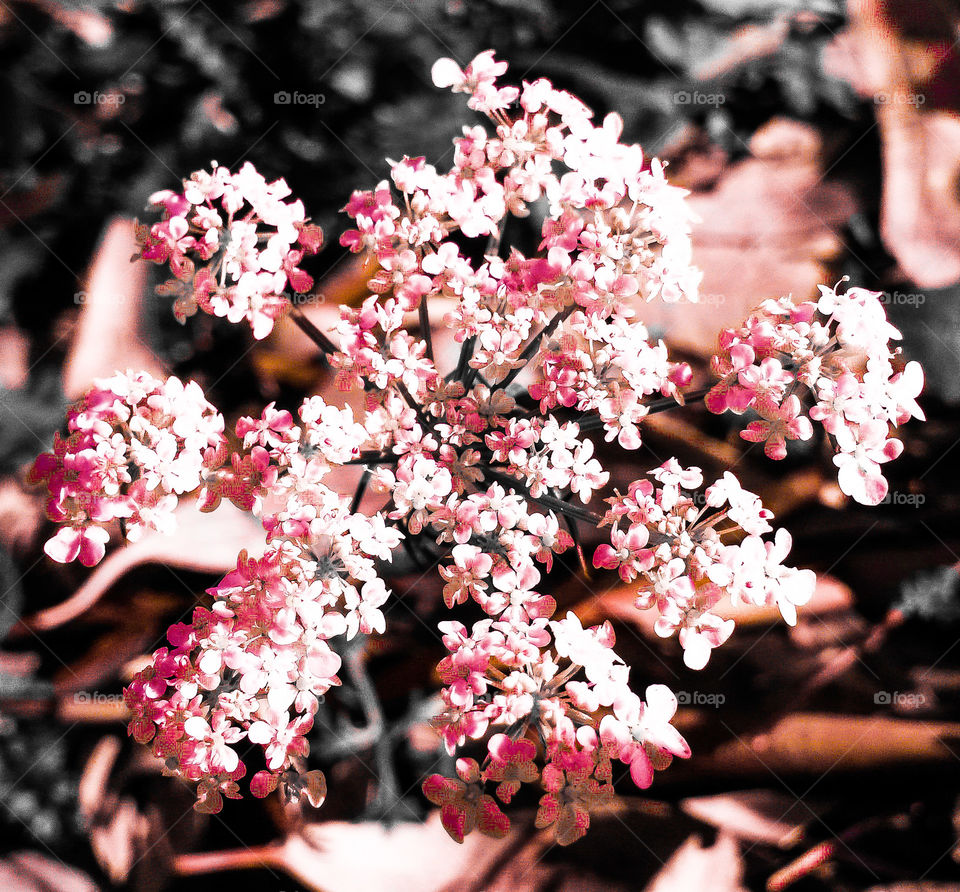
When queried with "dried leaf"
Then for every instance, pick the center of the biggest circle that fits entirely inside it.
(336, 857)
(201, 542)
(34, 872)
(757, 816)
(718, 868)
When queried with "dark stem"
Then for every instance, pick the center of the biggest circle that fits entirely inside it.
(312, 332)
(668, 402)
(547, 501)
(575, 535)
(534, 344)
(361, 490)
(425, 327)
(427, 424)
(466, 351)
(662, 405)
(372, 458)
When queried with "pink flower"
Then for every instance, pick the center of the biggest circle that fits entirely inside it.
(636, 726)
(628, 553)
(464, 807)
(214, 741)
(280, 738)
(511, 763)
(473, 464)
(838, 349)
(572, 791)
(88, 544)
(779, 425)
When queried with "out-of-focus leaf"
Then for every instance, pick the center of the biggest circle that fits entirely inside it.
(335, 857)
(201, 542)
(38, 789)
(739, 9)
(812, 743)
(694, 866)
(757, 816)
(119, 840)
(929, 319)
(31, 871)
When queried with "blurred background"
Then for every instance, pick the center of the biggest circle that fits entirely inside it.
(818, 139)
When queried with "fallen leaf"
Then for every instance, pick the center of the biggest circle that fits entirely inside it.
(718, 868)
(336, 857)
(33, 872)
(202, 542)
(757, 816)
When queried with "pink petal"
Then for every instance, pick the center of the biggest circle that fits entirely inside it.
(65, 545)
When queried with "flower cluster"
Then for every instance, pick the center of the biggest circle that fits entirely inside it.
(237, 671)
(135, 445)
(836, 351)
(254, 665)
(661, 535)
(550, 679)
(233, 244)
(486, 469)
(615, 231)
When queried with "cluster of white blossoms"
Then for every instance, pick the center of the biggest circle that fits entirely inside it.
(485, 469)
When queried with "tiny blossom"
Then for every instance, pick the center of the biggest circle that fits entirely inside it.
(637, 728)
(463, 805)
(251, 667)
(134, 445)
(834, 354)
(485, 469)
(675, 549)
(233, 244)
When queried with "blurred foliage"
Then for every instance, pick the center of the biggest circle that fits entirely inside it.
(931, 595)
(11, 600)
(38, 788)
